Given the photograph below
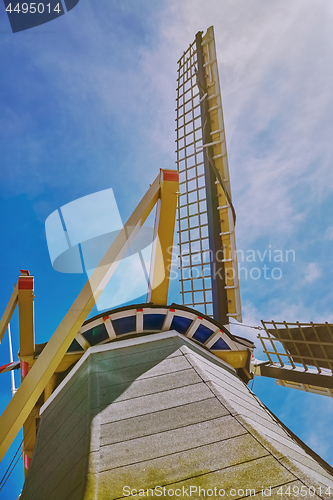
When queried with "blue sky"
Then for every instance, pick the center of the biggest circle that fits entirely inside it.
(87, 103)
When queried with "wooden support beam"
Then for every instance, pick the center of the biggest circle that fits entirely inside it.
(163, 238)
(26, 316)
(25, 298)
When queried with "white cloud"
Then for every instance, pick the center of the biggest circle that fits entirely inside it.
(276, 75)
(312, 273)
(329, 233)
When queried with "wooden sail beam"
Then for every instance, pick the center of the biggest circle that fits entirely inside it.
(163, 239)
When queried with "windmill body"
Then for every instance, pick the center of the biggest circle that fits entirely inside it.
(158, 414)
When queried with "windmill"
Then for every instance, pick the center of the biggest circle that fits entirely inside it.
(157, 393)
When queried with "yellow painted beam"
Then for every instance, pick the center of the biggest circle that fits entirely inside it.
(67, 361)
(6, 317)
(220, 159)
(51, 385)
(36, 380)
(25, 299)
(237, 359)
(30, 434)
(26, 316)
(163, 239)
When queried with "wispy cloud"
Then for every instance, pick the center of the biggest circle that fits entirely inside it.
(329, 233)
(276, 110)
(313, 272)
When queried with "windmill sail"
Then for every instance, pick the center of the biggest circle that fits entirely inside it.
(300, 355)
(206, 216)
